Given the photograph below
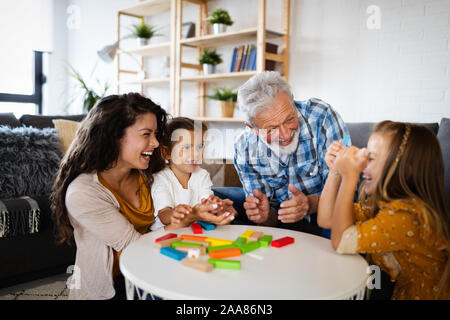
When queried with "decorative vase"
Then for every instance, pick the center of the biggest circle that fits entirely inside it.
(209, 68)
(219, 28)
(227, 108)
(142, 41)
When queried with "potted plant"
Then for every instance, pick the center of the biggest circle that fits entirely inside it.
(90, 96)
(143, 32)
(220, 19)
(209, 59)
(227, 98)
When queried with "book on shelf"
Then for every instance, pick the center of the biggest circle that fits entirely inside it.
(244, 58)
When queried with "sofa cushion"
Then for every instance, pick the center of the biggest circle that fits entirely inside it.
(361, 131)
(9, 119)
(444, 140)
(29, 161)
(41, 122)
(66, 131)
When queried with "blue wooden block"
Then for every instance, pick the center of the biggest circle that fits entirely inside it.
(173, 253)
(206, 225)
(346, 140)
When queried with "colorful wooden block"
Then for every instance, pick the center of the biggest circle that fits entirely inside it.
(166, 243)
(247, 234)
(193, 253)
(225, 264)
(192, 237)
(346, 140)
(202, 250)
(185, 244)
(250, 246)
(166, 237)
(225, 253)
(282, 242)
(198, 264)
(256, 236)
(265, 241)
(196, 228)
(218, 242)
(203, 243)
(240, 241)
(173, 253)
(228, 246)
(206, 225)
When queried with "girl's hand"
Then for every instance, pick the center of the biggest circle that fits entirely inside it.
(351, 161)
(331, 154)
(179, 214)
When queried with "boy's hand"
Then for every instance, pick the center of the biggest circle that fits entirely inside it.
(331, 154)
(179, 213)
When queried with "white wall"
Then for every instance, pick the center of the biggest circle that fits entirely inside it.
(400, 71)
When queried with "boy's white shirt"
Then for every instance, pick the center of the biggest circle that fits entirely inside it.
(167, 191)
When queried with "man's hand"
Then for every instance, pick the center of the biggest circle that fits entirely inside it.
(295, 209)
(257, 207)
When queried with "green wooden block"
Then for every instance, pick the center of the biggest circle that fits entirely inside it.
(185, 244)
(265, 241)
(225, 264)
(228, 246)
(250, 246)
(240, 241)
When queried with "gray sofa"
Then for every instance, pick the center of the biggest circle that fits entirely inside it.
(33, 256)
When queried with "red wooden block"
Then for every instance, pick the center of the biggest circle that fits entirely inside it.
(196, 228)
(166, 237)
(282, 242)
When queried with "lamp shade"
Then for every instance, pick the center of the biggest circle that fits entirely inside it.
(108, 53)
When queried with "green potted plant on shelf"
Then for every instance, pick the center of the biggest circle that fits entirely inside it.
(220, 19)
(227, 98)
(143, 32)
(209, 59)
(90, 96)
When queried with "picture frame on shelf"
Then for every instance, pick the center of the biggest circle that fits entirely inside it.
(188, 30)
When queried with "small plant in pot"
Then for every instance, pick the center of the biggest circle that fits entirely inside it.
(209, 59)
(220, 19)
(143, 32)
(227, 98)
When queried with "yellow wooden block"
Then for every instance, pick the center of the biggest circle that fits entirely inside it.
(247, 234)
(218, 242)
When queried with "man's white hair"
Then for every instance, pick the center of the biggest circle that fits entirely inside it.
(259, 91)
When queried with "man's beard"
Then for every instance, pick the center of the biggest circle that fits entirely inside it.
(284, 150)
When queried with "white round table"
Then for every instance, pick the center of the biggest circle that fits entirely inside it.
(306, 269)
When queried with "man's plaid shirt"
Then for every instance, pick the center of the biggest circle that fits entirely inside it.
(260, 168)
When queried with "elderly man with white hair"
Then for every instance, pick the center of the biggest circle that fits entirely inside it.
(280, 155)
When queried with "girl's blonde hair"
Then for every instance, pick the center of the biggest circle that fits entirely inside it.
(414, 168)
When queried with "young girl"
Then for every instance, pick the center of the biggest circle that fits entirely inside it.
(182, 191)
(402, 218)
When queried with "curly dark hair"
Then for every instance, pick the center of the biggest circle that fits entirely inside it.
(96, 148)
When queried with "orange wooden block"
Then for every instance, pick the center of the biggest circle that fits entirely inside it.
(186, 249)
(166, 243)
(225, 253)
(198, 264)
(192, 237)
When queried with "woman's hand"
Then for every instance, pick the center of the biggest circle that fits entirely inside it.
(205, 212)
(212, 199)
(351, 161)
(331, 154)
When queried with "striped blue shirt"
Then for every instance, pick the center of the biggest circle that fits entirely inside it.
(260, 168)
